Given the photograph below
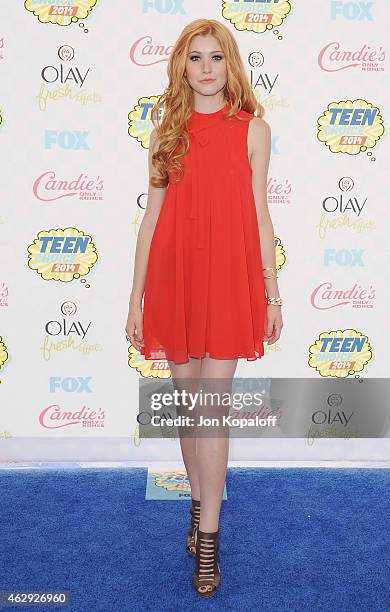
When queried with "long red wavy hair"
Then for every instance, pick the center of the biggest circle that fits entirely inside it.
(177, 99)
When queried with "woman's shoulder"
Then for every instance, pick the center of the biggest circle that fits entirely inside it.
(260, 126)
(258, 121)
(244, 113)
(256, 125)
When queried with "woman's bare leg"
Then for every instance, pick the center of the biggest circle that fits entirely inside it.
(213, 452)
(186, 376)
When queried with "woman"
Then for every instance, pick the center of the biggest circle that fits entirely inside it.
(209, 286)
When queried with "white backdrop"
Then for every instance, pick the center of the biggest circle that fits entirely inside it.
(77, 83)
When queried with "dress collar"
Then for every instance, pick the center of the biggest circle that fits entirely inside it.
(200, 123)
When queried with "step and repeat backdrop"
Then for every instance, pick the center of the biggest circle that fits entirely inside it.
(78, 80)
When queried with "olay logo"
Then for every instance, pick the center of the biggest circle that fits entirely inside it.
(63, 73)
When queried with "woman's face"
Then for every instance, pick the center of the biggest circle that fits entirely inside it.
(206, 60)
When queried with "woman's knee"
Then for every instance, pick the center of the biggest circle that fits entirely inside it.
(218, 368)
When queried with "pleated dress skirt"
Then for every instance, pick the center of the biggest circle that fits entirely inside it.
(204, 288)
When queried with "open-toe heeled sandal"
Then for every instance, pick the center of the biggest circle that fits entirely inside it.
(207, 577)
(195, 517)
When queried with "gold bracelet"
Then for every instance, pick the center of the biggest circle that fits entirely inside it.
(274, 273)
(277, 301)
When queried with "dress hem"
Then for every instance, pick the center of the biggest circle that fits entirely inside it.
(247, 357)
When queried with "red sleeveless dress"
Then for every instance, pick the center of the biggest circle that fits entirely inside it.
(204, 287)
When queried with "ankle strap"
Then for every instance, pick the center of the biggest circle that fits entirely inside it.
(209, 535)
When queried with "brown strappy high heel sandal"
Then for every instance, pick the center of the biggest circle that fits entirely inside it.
(195, 517)
(207, 577)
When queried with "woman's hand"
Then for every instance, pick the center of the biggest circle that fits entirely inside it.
(134, 326)
(274, 323)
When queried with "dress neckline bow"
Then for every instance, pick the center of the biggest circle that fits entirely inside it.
(199, 123)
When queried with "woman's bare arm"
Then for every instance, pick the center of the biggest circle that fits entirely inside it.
(155, 200)
(259, 144)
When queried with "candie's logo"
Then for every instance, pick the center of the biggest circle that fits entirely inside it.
(256, 16)
(4, 291)
(144, 52)
(335, 57)
(48, 187)
(55, 417)
(350, 126)
(279, 191)
(62, 254)
(340, 353)
(326, 296)
(49, 12)
(140, 123)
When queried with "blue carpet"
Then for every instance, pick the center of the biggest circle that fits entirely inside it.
(291, 540)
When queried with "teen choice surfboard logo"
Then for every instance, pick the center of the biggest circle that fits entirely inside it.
(62, 254)
(60, 12)
(340, 353)
(255, 16)
(3, 353)
(280, 254)
(148, 368)
(350, 126)
(173, 481)
(140, 122)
